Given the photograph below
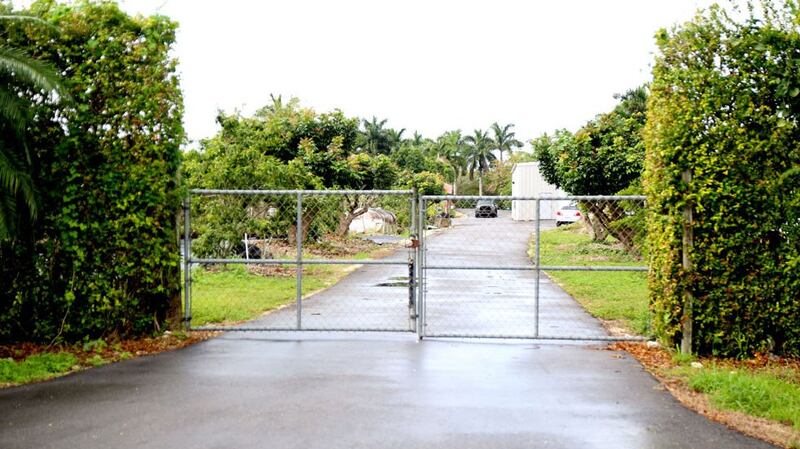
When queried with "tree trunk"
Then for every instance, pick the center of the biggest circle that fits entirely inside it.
(305, 223)
(480, 183)
(596, 230)
(353, 209)
(606, 218)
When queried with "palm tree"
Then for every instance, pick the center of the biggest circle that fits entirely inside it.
(374, 138)
(395, 138)
(504, 139)
(450, 148)
(479, 155)
(18, 72)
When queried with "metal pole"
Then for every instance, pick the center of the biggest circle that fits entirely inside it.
(187, 265)
(421, 270)
(246, 248)
(412, 268)
(686, 262)
(538, 270)
(299, 264)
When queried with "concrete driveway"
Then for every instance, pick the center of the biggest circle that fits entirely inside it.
(491, 303)
(484, 303)
(328, 391)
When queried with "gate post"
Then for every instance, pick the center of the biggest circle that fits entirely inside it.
(299, 262)
(686, 264)
(187, 265)
(421, 269)
(538, 270)
(412, 264)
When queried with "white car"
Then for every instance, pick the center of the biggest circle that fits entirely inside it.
(568, 214)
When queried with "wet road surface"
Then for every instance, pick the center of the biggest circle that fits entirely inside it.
(328, 391)
(332, 391)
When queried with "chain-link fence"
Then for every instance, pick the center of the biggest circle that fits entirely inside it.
(350, 260)
(299, 260)
(484, 262)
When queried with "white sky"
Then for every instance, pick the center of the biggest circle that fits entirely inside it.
(428, 65)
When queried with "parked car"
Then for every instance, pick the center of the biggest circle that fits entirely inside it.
(486, 208)
(568, 214)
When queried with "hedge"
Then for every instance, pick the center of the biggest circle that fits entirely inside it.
(725, 104)
(102, 258)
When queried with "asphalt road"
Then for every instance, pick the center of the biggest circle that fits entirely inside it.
(329, 391)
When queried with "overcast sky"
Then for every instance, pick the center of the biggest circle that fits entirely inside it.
(428, 65)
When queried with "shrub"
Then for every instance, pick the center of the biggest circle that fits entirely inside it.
(725, 103)
(102, 258)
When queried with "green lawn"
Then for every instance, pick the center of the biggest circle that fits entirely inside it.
(36, 367)
(773, 395)
(618, 296)
(231, 294)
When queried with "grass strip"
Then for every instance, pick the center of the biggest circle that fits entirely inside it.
(621, 297)
(36, 367)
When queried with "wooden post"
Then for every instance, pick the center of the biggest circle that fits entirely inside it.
(688, 240)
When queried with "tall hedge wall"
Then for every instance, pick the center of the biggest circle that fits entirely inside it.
(725, 103)
(102, 258)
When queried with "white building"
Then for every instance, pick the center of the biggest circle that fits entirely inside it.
(527, 181)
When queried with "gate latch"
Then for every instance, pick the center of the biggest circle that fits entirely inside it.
(414, 243)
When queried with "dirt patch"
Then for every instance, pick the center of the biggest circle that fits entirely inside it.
(616, 328)
(273, 270)
(659, 362)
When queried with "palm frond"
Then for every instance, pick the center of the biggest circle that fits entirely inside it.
(15, 181)
(31, 19)
(38, 74)
(11, 110)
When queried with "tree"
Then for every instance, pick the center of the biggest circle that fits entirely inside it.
(375, 139)
(479, 155)
(504, 139)
(418, 140)
(604, 157)
(21, 77)
(285, 146)
(395, 138)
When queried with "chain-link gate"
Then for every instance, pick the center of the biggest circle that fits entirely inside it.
(480, 264)
(330, 260)
(452, 266)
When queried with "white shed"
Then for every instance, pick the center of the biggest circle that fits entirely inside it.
(527, 181)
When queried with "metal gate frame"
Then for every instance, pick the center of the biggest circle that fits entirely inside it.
(424, 267)
(299, 261)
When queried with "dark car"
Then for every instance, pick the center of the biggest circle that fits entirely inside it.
(486, 208)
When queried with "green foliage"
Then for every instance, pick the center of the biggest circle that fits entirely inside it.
(427, 183)
(284, 147)
(603, 157)
(725, 104)
(36, 367)
(756, 394)
(21, 76)
(102, 258)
